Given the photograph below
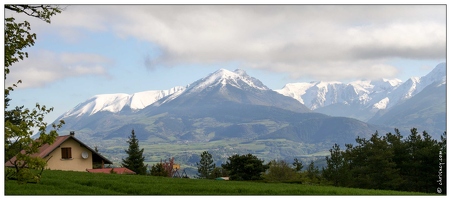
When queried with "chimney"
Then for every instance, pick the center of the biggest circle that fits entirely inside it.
(72, 133)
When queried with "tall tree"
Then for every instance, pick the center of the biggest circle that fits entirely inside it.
(423, 161)
(135, 159)
(400, 157)
(335, 169)
(205, 165)
(20, 122)
(381, 168)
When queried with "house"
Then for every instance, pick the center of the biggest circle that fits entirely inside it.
(68, 153)
(116, 170)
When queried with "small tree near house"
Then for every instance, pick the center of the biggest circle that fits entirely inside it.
(135, 159)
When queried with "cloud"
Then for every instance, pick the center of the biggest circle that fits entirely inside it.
(319, 41)
(44, 67)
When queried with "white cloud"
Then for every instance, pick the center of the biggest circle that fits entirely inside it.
(44, 67)
(328, 42)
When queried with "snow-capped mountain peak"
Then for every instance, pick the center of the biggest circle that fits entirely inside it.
(102, 102)
(365, 96)
(228, 87)
(437, 74)
(116, 102)
(361, 92)
(296, 90)
(385, 84)
(237, 78)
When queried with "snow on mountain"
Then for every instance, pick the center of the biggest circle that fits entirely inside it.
(295, 90)
(137, 101)
(116, 102)
(437, 74)
(406, 90)
(141, 100)
(368, 95)
(415, 85)
(382, 104)
(362, 95)
(228, 87)
(320, 94)
(224, 77)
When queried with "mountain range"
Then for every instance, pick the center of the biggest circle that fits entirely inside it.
(360, 99)
(231, 112)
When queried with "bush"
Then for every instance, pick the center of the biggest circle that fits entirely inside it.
(158, 170)
(280, 171)
(245, 167)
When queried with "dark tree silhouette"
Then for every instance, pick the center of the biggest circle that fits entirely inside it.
(135, 159)
(245, 167)
(205, 165)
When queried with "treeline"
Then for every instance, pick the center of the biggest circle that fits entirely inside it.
(249, 167)
(390, 162)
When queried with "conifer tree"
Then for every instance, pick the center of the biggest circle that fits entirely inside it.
(390, 163)
(312, 173)
(297, 165)
(206, 165)
(335, 166)
(135, 159)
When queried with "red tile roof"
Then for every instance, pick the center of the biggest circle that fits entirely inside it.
(120, 170)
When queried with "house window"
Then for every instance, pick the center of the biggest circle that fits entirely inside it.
(66, 153)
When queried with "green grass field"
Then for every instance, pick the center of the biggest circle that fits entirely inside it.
(83, 183)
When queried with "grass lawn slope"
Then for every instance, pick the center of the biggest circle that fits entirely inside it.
(83, 183)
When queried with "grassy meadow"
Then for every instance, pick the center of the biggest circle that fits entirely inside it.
(83, 183)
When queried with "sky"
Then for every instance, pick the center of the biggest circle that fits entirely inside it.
(101, 49)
